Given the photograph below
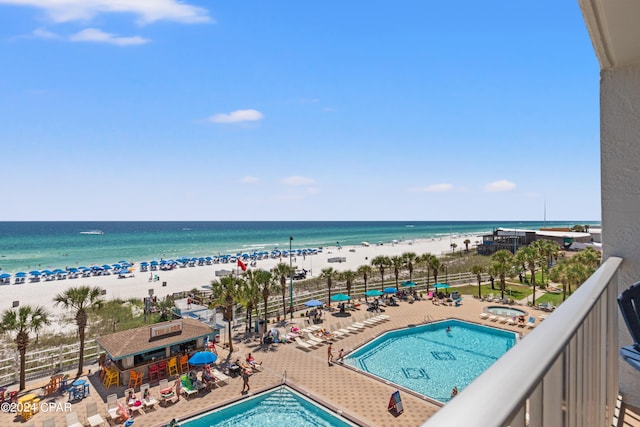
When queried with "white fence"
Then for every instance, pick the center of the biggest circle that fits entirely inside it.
(45, 363)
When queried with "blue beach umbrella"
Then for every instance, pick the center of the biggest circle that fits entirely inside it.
(202, 358)
(408, 284)
(441, 286)
(390, 290)
(21, 274)
(374, 293)
(5, 276)
(314, 303)
(340, 297)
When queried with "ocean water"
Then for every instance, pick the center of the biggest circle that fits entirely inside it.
(38, 245)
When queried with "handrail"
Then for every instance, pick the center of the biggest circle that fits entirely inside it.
(500, 393)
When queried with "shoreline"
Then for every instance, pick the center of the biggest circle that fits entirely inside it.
(187, 278)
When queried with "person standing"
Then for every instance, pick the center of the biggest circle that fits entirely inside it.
(340, 358)
(329, 354)
(245, 380)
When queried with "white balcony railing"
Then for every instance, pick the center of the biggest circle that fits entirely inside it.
(564, 373)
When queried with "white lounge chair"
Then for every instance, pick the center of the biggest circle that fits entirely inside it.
(220, 377)
(531, 323)
(150, 402)
(132, 406)
(303, 344)
(502, 320)
(345, 330)
(493, 318)
(112, 407)
(167, 393)
(93, 417)
(72, 420)
(484, 315)
(315, 339)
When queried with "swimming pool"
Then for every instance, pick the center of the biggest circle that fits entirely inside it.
(431, 361)
(282, 406)
(505, 311)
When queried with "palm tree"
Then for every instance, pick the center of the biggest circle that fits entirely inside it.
(397, 263)
(80, 300)
(453, 247)
(502, 265)
(466, 245)
(410, 259)
(227, 291)
(329, 274)
(22, 322)
(267, 285)
(436, 267)
(365, 271)
(381, 262)
(250, 296)
(478, 270)
(165, 306)
(426, 260)
(549, 250)
(529, 256)
(283, 271)
(348, 276)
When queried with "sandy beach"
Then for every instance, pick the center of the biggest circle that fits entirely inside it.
(182, 279)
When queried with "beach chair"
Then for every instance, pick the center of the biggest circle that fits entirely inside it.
(316, 339)
(304, 345)
(220, 377)
(629, 303)
(134, 406)
(93, 417)
(187, 387)
(72, 420)
(502, 320)
(112, 407)
(484, 315)
(344, 330)
(493, 318)
(167, 393)
(149, 402)
(531, 323)
(511, 321)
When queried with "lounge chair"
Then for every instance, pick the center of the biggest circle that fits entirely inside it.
(510, 321)
(167, 393)
(72, 420)
(187, 387)
(220, 377)
(502, 320)
(531, 323)
(629, 303)
(305, 345)
(150, 402)
(344, 330)
(315, 339)
(93, 417)
(134, 406)
(484, 315)
(493, 318)
(112, 407)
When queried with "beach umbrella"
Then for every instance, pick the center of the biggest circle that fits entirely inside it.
(21, 274)
(5, 276)
(441, 286)
(374, 293)
(408, 284)
(390, 290)
(202, 358)
(34, 273)
(340, 297)
(314, 303)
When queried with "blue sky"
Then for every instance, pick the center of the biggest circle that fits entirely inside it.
(290, 110)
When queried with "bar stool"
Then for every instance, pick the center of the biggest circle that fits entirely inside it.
(135, 379)
(172, 366)
(184, 364)
(162, 369)
(153, 372)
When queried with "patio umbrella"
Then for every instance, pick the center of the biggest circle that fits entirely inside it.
(340, 297)
(5, 276)
(441, 286)
(390, 290)
(314, 303)
(202, 358)
(374, 293)
(408, 284)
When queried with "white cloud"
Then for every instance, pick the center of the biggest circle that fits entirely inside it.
(98, 36)
(237, 116)
(297, 180)
(501, 185)
(41, 33)
(433, 188)
(249, 179)
(147, 11)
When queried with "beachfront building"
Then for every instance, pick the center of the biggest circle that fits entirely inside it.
(568, 372)
(141, 348)
(511, 239)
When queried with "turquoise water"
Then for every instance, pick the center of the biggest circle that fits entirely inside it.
(281, 407)
(505, 311)
(431, 361)
(39, 245)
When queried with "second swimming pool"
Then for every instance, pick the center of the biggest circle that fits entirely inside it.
(431, 361)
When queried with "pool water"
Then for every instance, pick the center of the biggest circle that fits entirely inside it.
(280, 407)
(505, 311)
(431, 361)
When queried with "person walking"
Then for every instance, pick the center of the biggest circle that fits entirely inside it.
(245, 380)
(329, 354)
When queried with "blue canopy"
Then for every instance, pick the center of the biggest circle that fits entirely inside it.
(21, 274)
(5, 276)
(408, 284)
(340, 297)
(314, 303)
(390, 290)
(34, 273)
(202, 358)
(441, 286)
(374, 293)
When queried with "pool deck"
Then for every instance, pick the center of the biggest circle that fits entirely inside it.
(363, 398)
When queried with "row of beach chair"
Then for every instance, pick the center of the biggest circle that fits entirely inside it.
(311, 341)
(530, 323)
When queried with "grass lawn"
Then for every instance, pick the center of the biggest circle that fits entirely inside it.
(512, 290)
